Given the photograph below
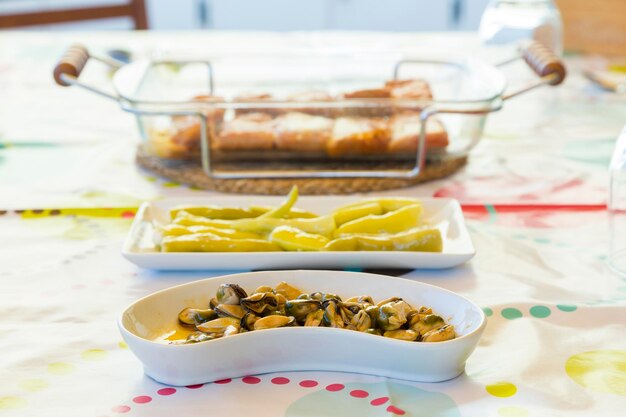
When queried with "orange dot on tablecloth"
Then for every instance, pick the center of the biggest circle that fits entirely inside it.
(501, 389)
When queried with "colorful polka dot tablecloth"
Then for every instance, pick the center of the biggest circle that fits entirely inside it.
(533, 194)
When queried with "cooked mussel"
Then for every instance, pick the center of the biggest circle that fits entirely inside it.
(194, 316)
(274, 321)
(360, 322)
(230, 310)
(314, 318)
(428, 323)
(402, 334)
(300, 309)
(364, 300)
(287, 290)
(230, 294)
(439, 335)
(332, 316)
(391, 316)
(260, 303)
(197, 337)
(219, 326)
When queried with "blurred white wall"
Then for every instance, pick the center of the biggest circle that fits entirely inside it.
(280, 15)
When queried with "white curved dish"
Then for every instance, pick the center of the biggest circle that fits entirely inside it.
(300, 348)
(442, 213)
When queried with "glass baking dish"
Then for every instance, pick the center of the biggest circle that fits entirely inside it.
(307, 117)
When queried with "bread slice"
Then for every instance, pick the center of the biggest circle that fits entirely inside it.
(249, 131)
(358, 136)
(405, 133)
(302, 132)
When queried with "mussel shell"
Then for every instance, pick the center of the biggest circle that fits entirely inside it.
(361, 321)
(428, 323)
(194, 316)
(390, 317)
(440, 335)
(373, 331)
(197, 337)
(364, 300)
(260, 303)
(388, 300)
(332, 317)
(288, 291)
(248, 320)
(230, 294)
(230, 310)
(274, 321)
(314, 318)
(263, 288)
(300, 309)
(219, 325)
(402, 334)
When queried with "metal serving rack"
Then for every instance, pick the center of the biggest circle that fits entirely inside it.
(540, 59)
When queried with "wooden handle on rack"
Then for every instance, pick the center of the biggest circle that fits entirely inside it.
(543, 61)
(71, 63)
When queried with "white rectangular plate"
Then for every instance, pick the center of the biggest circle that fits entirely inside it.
(443, 213)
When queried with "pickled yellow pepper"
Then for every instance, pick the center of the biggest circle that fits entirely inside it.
(405, 218)
(208, 242)
(179, 230)
(422, 240)
(292, 239)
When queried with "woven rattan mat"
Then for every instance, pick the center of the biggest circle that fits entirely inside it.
(191, 173)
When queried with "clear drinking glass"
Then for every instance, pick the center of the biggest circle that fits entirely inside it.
(617, 207)
(511, 21)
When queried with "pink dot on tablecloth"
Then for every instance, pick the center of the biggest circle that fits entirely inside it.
(279, 380)
(128, 214)
(250, 380)
(379, 401)
(359, 393)
(166, 391)
(195, 386)
(395, 410)
(308, 383)
(223, 381)
(142, 399)
(120, 409)
(335, 387)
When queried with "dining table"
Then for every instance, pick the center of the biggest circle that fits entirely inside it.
(534, 199)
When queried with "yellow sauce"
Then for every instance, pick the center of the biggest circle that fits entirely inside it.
(178, 334)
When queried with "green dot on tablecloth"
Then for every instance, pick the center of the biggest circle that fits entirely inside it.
(542, 240)
(568, 308)
(511, 313)
(488, 312)
(540, 312)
